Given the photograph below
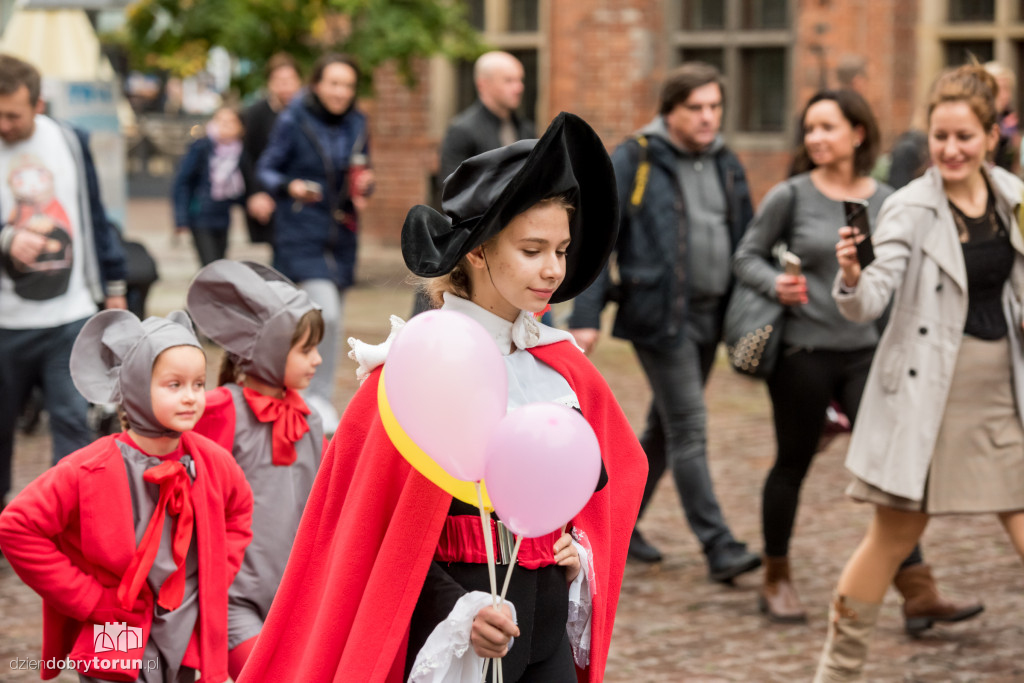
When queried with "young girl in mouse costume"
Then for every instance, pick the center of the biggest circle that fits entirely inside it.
(144, 529)
(270, 330)
(382, 563)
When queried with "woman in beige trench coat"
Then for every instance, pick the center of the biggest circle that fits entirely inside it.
(939, 429)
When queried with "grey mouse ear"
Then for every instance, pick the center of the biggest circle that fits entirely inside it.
(229, 302)
(99, 351)
(266, 272)
(182, 318)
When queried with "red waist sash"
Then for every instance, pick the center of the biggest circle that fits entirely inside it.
(462, 540)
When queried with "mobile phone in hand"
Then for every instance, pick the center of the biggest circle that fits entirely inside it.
(791, 263)
(856, 211)
(315, 189)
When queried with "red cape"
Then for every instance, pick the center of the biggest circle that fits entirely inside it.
(69, 534)
(369, 533)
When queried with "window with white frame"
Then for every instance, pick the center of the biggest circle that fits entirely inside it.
(750, 43)
(988, 30)
(513, 26)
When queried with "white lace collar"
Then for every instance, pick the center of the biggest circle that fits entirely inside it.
(524, 333)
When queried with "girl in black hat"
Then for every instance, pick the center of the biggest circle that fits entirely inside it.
(383, 580)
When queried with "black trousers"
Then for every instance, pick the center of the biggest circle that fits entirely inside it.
(804, 383)
(557, 668)
(211, 245)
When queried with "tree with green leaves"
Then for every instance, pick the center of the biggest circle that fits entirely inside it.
(175, 36)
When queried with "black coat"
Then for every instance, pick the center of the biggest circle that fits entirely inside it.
(259, 120)
(473, 131)
(652, 246)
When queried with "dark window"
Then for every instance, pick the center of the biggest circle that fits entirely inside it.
(1019, 51)
(475, 13)
(528, 106)
(972, 10)
(522, 15)
(465, 88)
(764, 14)
(959, 52)
(762, 96)
(703, 14)
(713, 56)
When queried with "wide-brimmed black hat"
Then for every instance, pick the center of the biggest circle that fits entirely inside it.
(487, 191)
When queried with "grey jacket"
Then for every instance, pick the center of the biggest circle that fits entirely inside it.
(918, 256)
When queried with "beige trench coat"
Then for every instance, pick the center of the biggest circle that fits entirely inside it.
(919, 259)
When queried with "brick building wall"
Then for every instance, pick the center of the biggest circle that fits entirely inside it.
(605, 60)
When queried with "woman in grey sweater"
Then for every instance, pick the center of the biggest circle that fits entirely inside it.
(824, 357)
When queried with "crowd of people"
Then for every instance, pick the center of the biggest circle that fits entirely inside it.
(245, 542)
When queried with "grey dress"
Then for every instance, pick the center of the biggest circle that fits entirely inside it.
(172, 629)
(279, 497)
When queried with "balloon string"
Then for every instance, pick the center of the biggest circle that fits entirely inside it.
(501, 599)
(511, 565)
(485, 522)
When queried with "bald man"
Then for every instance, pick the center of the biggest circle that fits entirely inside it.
(491, 121)
(487, 124)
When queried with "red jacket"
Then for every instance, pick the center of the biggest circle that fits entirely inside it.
(70, 533)
(372, 524)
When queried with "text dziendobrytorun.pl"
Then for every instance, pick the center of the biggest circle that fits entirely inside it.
(54, 664)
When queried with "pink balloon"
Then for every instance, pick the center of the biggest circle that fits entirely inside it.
(543, 463)
(446, 384)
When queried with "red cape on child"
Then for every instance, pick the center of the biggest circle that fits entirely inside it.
(369, 533)
(69, 535)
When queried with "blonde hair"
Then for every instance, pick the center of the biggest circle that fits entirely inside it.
(457, 281)
(997, 70)
(969, 83)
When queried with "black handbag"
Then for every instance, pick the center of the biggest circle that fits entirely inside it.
(753, 331)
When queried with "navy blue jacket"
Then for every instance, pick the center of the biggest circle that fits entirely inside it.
(652, 246)
(315, 240)
(193, 205)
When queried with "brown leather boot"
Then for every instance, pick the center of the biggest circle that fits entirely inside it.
(922, 603)
(777, 598)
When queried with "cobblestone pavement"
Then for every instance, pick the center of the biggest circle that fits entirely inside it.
(672, 624)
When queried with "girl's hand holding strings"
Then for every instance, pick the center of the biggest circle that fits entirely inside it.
(492, 629)
(567, 556)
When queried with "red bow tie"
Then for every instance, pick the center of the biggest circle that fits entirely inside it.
(176, 500)
(289, 417)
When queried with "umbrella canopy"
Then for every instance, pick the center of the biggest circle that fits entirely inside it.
(61, 43)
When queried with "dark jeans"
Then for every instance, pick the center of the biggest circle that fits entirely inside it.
(676, 434)
(804, 383)
(40, 357)
(211, 245)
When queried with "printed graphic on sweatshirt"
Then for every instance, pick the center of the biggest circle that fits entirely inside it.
(38, 211)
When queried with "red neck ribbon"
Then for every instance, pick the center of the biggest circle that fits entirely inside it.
(175, 500)
(289, 417)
